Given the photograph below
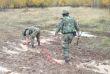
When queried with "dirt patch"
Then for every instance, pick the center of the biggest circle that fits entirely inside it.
(47, 59)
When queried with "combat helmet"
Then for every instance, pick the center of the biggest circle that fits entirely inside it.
(65, 12)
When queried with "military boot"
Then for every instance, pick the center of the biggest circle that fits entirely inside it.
(67, 59)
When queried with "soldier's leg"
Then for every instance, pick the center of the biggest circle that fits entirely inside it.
(70, 38)
(32, 42)
(38, 38)
(66, 52)
(66, 48)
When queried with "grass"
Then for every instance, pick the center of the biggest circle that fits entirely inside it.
(93, 19)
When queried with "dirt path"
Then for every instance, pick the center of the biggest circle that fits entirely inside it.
(16, 58)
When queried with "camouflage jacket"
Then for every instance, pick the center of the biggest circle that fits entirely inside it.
(67, 25)
(32, 31)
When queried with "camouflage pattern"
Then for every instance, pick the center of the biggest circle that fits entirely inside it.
(32, 33)
(67, 39)
(68, 27)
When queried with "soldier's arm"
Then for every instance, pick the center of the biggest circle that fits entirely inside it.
(24, 33)
(59, 26)
(76, 25)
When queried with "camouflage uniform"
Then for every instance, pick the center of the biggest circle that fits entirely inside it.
(32, 32)
(68, 28)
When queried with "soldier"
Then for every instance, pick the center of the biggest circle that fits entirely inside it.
(30, 33)
(68, 28)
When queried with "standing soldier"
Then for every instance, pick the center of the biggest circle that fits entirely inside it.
(68, 28)
(30, 33)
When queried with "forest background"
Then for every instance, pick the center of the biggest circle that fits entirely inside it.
(49, 3)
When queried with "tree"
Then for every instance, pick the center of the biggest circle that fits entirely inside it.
(63, 2)
(106, 3)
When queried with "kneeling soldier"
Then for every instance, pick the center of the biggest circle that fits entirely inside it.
(30, 33)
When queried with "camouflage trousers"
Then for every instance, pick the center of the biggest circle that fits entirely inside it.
(32, 38)
(67, 39)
